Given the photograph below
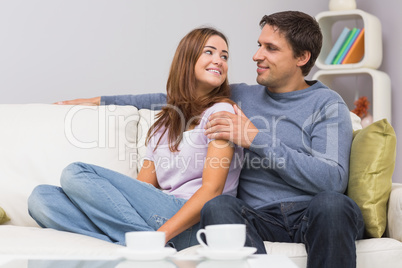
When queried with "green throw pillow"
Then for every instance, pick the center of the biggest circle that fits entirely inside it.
(372, 163)
(3, 216)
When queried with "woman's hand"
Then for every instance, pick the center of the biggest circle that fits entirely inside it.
(90, 102)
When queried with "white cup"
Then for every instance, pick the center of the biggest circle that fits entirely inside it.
(223, 236)
(145, 240)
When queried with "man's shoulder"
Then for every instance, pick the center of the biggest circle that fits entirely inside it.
(244, 86)
(324, 93)
(243, 91)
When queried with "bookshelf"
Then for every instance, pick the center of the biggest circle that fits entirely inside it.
(372, 38)
(376, 85)
(380, 96)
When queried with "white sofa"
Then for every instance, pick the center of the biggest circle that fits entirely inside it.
(38, 140)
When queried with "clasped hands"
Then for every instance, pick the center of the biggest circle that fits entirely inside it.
(236, 128)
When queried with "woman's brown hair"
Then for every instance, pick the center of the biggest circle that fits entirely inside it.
(184, 107)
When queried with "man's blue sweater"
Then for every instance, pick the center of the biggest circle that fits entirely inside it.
(302, 147)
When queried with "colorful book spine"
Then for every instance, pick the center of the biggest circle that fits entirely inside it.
(349, 46)
(356, 51)
(345, 44)
(341, 39)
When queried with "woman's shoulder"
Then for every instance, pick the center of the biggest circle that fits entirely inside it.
(218, 107)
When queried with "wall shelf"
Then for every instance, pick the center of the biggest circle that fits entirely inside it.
(381, 89)
(350, 80)
(372, 38)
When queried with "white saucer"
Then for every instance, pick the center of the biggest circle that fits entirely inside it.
(143, 255)
(146, 264)
(226, 254)
(225, 264)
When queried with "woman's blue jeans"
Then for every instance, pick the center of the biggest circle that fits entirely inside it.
(101, 203)
(328, 225)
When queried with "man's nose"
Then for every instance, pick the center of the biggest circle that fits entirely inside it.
(257, 55)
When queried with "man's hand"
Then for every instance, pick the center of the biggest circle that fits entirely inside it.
(90, 102)
(236, 128)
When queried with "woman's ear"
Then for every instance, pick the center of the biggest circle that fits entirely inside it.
(303, 58)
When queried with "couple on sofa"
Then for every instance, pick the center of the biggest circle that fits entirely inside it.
(296, 136)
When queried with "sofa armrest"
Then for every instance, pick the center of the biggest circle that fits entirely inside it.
(394, 228)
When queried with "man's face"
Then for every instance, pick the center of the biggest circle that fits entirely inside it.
(277, 67)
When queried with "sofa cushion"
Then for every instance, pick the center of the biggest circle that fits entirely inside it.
(371, 253)
(394, 223)
(47, 242)
(372, 162)
(356, 121)
(3, 216)
(38, 140)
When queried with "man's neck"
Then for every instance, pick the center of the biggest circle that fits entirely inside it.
(289, 87)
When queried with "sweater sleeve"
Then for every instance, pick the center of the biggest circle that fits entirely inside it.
(142, 101)
(324, 163)
(152, 101)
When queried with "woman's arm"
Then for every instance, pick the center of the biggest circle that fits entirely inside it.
(148, 174)
(216, 169)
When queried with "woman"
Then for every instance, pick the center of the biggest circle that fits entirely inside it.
(182, 170)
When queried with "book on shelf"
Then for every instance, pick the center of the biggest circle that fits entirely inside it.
(338, 43)
(344, 46)
(356, 51)
(348, 46)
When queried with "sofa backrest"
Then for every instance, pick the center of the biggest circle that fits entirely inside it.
(38, 140)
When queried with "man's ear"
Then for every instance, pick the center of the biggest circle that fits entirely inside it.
(303, 58)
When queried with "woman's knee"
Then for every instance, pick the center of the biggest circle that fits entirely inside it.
(41, 197)
(70, 173)
(39, 193)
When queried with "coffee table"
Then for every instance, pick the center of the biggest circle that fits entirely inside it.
(189, 261)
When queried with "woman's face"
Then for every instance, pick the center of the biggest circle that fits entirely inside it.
(211, 68)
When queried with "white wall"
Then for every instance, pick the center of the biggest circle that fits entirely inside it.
(53, 50)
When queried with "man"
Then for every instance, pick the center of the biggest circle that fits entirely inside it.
(297, 145)
(297, 136)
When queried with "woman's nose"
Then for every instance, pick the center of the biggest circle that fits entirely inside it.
(218, 61)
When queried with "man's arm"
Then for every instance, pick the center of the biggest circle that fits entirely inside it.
(144, 101)
(153, 101)
(325, 165)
